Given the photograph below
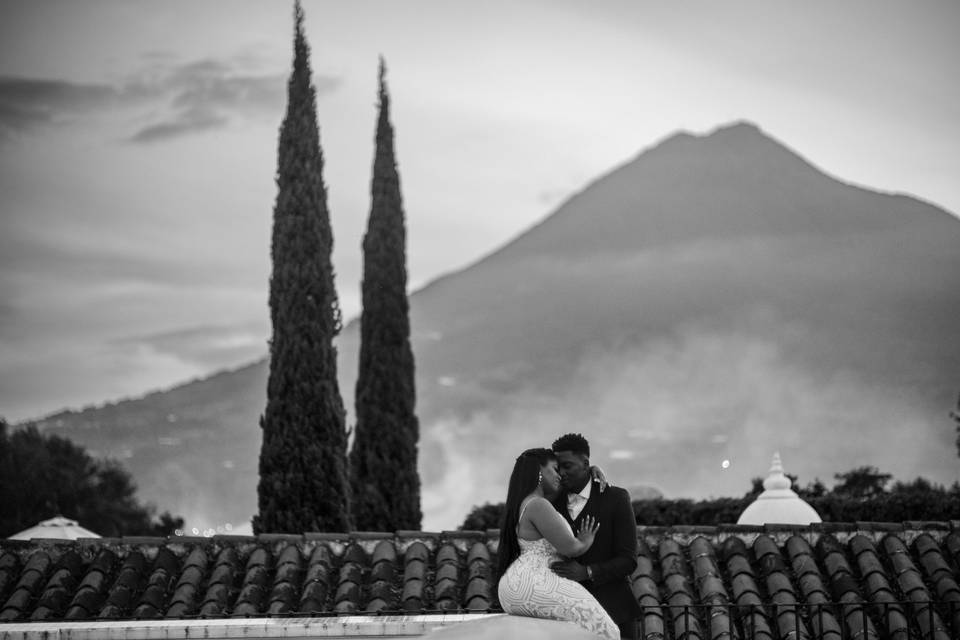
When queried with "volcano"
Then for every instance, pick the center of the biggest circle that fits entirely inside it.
(714, 300)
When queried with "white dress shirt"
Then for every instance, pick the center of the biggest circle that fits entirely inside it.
(577, 501)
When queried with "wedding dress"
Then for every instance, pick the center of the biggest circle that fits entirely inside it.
(530, 588)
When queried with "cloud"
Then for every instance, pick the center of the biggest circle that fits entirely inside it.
(666, 413)
(52, 95)
(203, 95)
(14, 118)
(55, 375)
(88, 266)
(185, 122)
(206, 93)
(9, 314)
(27, 103)
(209, 346)
(191, 97)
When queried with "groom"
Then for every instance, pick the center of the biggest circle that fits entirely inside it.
(606, 567)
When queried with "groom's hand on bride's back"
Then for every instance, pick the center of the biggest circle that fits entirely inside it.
(570, 569)
(599, 476)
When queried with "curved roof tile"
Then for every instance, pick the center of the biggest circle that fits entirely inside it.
(789, 579)
(412, 596)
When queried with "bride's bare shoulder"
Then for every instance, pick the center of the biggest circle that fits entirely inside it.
(537, 505)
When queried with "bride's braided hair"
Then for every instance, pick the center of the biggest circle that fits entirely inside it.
(523, 480)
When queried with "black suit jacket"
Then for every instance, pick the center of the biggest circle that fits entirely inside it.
(613, 555)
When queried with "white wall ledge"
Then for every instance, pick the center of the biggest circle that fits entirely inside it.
(238, 628)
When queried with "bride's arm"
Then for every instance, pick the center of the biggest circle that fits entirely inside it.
(597, 474)
(555, 529)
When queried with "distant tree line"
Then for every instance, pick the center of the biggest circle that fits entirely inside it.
(861, 494)
(42, 476)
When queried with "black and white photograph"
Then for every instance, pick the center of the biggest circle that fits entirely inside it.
(532, 319)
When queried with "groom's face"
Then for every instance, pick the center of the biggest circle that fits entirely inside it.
(574, 470)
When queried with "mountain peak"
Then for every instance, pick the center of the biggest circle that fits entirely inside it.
(734, 181)
(736, 134)
(740, 132)
(737, 142)
(738, 127)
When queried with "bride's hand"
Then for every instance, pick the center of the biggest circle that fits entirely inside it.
(597, 474)
(588, 529)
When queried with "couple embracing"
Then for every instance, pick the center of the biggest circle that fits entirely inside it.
(568, 542)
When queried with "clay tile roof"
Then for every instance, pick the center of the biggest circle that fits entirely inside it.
(479, 575)
(645, 590)
(384, 593)
(447, 554)
(316, 581)
(829, 580)
(447, 578)
(937, 572)
(286, 580)
(92, 591)
(414, 569)
(952, 544)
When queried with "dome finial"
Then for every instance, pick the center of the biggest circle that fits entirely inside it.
(776, 465)
(776, 478)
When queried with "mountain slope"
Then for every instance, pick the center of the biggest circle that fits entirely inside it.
(717, 298)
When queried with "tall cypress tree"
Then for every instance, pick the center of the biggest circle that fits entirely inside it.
(383, 462)
(303, 471)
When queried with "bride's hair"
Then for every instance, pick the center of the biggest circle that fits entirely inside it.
(523, 480)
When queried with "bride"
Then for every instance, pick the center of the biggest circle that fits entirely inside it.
(531, 538)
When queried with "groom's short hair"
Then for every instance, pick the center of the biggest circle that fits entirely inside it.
(572, 442)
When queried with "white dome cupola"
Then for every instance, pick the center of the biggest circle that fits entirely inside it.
(778, 504)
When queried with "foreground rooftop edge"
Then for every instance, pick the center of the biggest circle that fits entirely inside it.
(823, 580)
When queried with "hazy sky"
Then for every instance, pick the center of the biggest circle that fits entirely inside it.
(138, 145)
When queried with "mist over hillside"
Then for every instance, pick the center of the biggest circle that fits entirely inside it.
(716, 298)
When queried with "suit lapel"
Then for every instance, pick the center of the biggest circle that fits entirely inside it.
(592, 501)
(592, 508)
(588, 507)
(560, 504)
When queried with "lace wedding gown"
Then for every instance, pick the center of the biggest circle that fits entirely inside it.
(530, 588)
